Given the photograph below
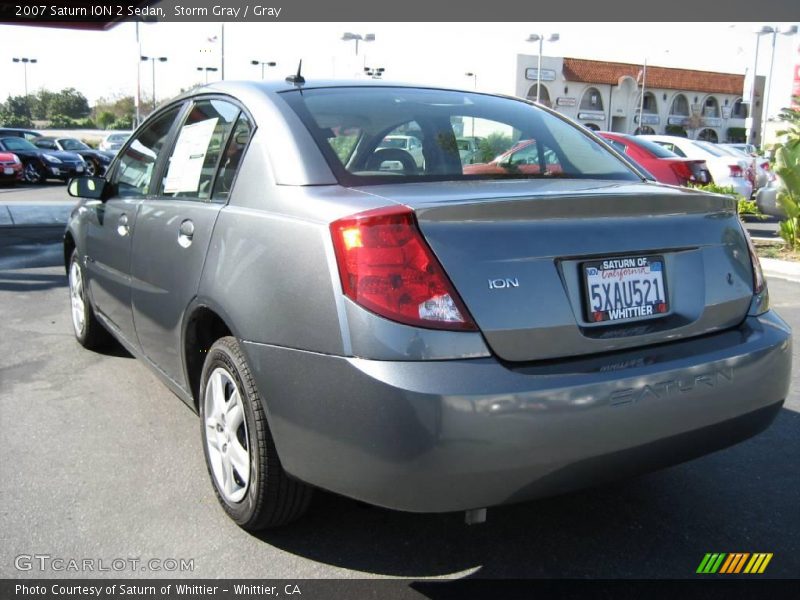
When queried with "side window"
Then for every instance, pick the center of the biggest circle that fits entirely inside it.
(232, 158)
(136, 164)
(529, 155)
(400, 150)
(616, 145)
(198, 149)
(481, 141)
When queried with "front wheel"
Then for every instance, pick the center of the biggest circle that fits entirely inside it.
(33, 174)
(240, 453)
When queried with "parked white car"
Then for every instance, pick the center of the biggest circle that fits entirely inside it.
(409, 143)
(767, 199)
(763, 175)
(114, 141)
(726, 170)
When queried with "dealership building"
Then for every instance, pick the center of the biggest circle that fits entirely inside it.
(607, 96)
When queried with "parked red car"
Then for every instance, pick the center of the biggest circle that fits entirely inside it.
(10, 168)
(664, 165)
(522, 159)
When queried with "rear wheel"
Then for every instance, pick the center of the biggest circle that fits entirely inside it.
(88, 330)
(242, 461)
(92, 168)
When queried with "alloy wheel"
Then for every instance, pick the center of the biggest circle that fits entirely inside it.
(226, 435)
(32, 174)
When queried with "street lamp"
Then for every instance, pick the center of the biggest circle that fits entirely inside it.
(535, 37)
(774, 31)
(153, 62)
(207, 69)
(368, 37)
(24, 60)
(474, 87)
(374, 72)
(263, 64)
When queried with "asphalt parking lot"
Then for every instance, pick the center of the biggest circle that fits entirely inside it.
(99, 460)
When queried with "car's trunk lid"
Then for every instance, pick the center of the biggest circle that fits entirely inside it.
(515, 251)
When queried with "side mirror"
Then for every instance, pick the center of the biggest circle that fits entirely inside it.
(87, 187)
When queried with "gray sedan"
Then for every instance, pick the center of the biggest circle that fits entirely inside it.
(416, 337)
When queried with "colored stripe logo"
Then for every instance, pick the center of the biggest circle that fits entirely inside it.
(734, 563)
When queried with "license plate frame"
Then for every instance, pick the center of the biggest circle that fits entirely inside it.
(652, 291)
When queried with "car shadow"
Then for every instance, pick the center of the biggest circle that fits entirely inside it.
(741, 499)
(113, 348)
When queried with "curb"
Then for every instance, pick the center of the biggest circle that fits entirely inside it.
(23, 214)
(781, 269)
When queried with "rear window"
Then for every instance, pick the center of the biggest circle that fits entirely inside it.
(411, 134)
(654, 149)
(710, 148)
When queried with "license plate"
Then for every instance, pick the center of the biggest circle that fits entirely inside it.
(79, 169)
(8, 171)
(626, 288)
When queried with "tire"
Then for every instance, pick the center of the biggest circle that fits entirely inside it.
(257, 494)
(33, 174)
(92, 168)
(89, 332)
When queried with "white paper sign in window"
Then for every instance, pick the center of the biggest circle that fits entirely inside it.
(186, 163)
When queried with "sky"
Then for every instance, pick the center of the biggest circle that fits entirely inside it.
(104, 64)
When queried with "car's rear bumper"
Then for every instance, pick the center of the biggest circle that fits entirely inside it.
(435, 436)
(767, 202)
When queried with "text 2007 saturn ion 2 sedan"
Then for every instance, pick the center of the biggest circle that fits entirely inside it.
(416, 337)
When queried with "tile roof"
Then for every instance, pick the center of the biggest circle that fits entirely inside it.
(596, 71)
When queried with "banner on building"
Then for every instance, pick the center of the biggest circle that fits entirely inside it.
(749, 82)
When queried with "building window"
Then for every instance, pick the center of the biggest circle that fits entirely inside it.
(680, 106)
(711, 108)
(592, 100)
(544, 96)
(708, 135)
(649, 104)
(739, 110)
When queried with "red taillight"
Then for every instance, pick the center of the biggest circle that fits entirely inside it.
(386, 267)
(765, 165)
(759, 283)
(683, 172)
(736, 171)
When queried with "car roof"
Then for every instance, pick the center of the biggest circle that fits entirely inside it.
(18, 130)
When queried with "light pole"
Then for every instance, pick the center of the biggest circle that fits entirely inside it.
(153, 60)
(536, 37)
(207, 69)
(263, 64)
(367, 37)
(474, 87)
(24, 60)
(775, 31)
(374, 72)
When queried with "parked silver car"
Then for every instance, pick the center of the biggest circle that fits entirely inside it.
(418, 338)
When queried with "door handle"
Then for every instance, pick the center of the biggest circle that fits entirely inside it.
(185, 233)
(122, 225)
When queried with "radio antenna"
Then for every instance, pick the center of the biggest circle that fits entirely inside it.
(298, 78)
